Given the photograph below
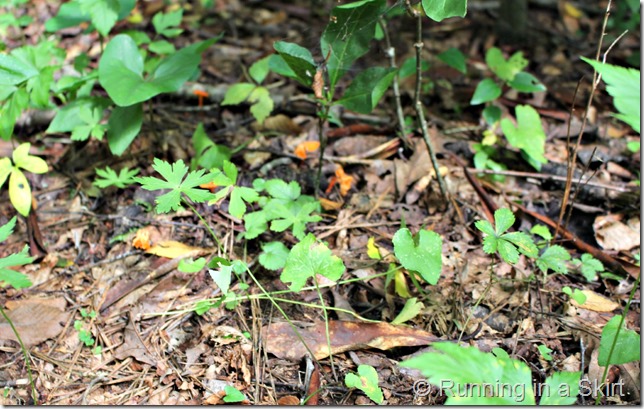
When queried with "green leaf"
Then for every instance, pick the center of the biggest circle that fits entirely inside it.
(222, 277)
(14, 71)
(528, 135)
(255, 224)
(273, 255)
(627, 344)
(545, 352)
(11, 110)
(295, 217)
(541, 231)
(366, 381)
(454, 58)
(259, 70)
(554, 258)
(524, 82)
(298, 59)
(308, 258)
(279, 189)
(507, 251)
(453, 367)
(110, 178)
(590, 266)
(164, 22)
(174, 175)
(623, 84)
(162, 47)
(239, 195)
(7, 228)
(68, 117)
(491, 114)
(191, 266)
(367, 89)
(208, 154)
(505, 69)
(560, 395)
(577, 295)
(237, 93)
(503, 219)
(422, 254)
(120, 71)
(262, 103)
(348, 35)
(103, 13)
(523, 242)
(123, 126)
(438, 10)
(233, 395)
(411, 309)
(487, 90)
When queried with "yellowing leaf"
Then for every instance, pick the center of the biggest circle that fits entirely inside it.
(330, 204)
(596, 302)
(22, 159)
(173, 249)
(571, 10)
(372, 249)
(400, 284)
(5, 169)
(19, 192)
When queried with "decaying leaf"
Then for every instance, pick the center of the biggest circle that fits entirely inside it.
(345, 336)
(173, 249)
(36, 320)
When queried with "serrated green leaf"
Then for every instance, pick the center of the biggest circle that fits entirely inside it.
(590, 266)
(487, 90)
(262, 103)
(7, 228)
(424, 257)
(273, 255)
(523, 242)
(505, 69)
(366, 381)
(307, 258)
(110, 178)
(438, 10)
(279, 189)
(554, 258)
(627, 344)
(503, 219)
(507, 251)
(485, 227)
(541, 231)
(623, 84)
(239, 195)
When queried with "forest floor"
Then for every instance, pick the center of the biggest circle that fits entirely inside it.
(140, 309)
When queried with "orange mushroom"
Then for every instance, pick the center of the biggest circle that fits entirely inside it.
(306, 146)
(201, 94)
(345, 181)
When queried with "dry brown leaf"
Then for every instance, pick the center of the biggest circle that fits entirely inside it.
(133, 346)
(330, 204)
(278, 123)
(173, 249)
(36, 320)
(288, 400)
(596, 302)
(345, 336)
(612, 234)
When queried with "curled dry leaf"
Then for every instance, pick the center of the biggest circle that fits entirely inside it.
(283, 342)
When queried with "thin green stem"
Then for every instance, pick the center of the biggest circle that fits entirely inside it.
(26, 354)
(212, 233)
(326, 326)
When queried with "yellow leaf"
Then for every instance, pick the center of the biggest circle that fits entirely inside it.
(372, 249)
(330, 204)
(571, 10)
(19, 192)
(400, 283)
(596, 302)
(5, 170)
(22, 159)
(173, 249)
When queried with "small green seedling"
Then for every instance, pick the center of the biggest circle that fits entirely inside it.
(589, 266)
(180, 188)
(575, 294)
(367, 381)
(238, 194)
(254, 93)
(108, 177)
(544, 351)
(233, 395)
(84, 334)
(308, 258)
(19, 189)
(507, 244)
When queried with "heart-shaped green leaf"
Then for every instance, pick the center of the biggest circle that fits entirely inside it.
(424, 257)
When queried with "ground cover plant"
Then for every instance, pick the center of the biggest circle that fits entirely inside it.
(325, 202)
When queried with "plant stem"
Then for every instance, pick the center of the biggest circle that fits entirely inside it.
(323, 141)
(212, 233)
(391, 53)
(418, 105)
(34, 393)
(326, 326)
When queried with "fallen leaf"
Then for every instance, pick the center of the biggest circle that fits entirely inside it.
(133, 346)
(612, 234)
(173, 249)
(345, 336)
(278, 123)
(595, 302)
(36, 320)
(330, 204)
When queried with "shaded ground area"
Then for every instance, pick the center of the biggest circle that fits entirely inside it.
(156, 349)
